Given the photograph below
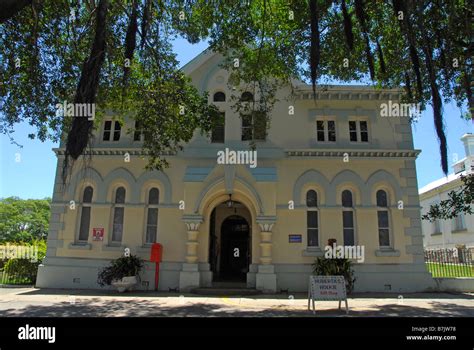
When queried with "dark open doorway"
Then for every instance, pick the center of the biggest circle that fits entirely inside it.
(229, 254)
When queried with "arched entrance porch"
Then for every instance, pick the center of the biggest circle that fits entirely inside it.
(230, 242)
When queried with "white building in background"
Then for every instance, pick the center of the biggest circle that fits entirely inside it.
(460, 230)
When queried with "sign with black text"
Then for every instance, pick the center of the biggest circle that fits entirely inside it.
(327, 288)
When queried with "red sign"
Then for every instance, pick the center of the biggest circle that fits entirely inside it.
(156, 252)
(98, 234)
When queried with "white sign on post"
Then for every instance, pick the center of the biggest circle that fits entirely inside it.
(327, 288)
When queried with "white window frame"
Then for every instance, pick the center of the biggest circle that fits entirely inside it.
(325, 122)
(458, 219)
(112, 131)
(358, 130)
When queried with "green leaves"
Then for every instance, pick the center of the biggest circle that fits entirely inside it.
(24, 220)
(425, 45)
(125, 266)
(459, 201)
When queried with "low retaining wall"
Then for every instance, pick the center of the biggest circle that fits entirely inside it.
(458, 284)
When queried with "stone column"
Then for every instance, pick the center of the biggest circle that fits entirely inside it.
(189, 276)
(265, 243)
(192, 243)
(266, 277)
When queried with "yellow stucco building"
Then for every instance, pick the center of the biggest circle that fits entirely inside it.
(332, 169)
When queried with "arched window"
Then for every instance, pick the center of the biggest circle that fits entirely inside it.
(85, 214)
(383, 218)
(119, 211)
(311, 199)
(348, 218)
(219, 97)
(312, 218)
(246, 97)
(152, 215)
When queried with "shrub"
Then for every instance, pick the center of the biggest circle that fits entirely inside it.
(335, 267)
(124, 266)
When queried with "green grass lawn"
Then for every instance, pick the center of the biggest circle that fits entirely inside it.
(450, 270)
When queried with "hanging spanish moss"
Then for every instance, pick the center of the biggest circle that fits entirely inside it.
(130, 41)
(81, 128)
(361, 16)
(436, 99)
(347, 26)
(408, 86)
(467, 86)
(145, 21)
(405, 27)
(381, 59)
(314, 55)
(370, 58)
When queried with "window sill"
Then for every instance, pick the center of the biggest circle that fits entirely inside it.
(437, 234)
(80, 246)
(144, 249)
(313, 251)
(113, 248)
(387, 252)
(463, 230)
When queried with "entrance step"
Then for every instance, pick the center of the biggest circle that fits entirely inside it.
(225, 291)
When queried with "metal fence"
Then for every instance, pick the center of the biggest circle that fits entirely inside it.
(455, 262)
(15, 277)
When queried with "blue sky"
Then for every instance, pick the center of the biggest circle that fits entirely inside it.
(33, 175)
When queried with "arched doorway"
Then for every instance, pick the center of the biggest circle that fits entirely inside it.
(230, 243)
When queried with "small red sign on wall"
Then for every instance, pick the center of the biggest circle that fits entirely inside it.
(98, 234)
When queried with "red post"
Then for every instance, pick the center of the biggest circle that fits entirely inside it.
(156, 255)
(157, 275)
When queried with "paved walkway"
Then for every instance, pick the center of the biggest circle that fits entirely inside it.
(30, 302)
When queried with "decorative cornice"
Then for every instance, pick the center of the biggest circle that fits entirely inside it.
(99, 151)
(339, 153)
(345, 93)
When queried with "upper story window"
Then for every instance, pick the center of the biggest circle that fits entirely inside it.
(108, 132)
(218, 131)
(219, 97)
(458, 223)
(138, 132)
(254, 126)
(358, 131)
(326, 130)
(246, 97)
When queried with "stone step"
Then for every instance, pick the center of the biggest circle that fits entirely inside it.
(225, 291)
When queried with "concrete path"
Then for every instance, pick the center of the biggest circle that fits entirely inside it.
(30, 302)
